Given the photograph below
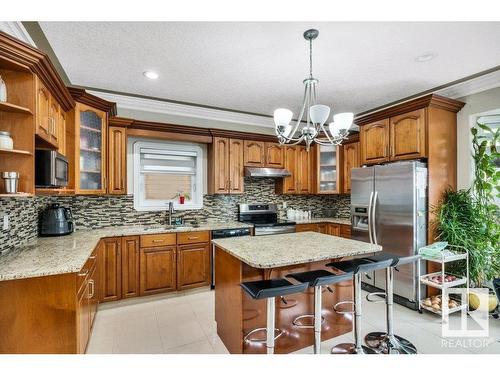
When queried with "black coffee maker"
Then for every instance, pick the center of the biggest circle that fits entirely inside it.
(56, 221)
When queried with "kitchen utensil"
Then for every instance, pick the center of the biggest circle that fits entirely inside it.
(56, 221)
(6, 141)
(10, 182)
(3, 90)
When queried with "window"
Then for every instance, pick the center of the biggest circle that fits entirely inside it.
(492, 120)
(164, 171)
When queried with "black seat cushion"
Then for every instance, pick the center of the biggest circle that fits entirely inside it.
(319, 277)
(272, 288)
(398, 260)
(349, 266)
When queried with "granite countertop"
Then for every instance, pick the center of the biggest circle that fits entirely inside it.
(316, 220)
(294, 248)
(67, 254)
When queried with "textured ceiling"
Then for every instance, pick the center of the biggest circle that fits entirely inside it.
(257, 67)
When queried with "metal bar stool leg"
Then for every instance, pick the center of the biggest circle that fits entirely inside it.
(271, 305)
(317, 320)
(357, 347)
(388, 342)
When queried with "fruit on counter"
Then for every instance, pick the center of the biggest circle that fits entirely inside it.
(475, 301)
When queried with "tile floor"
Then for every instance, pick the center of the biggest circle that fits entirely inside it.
(184, 323)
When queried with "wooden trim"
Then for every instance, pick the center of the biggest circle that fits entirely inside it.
(120, 121)
(243, 135)
(160, 134)
(25, 57)
(81, 96)
(432, 100)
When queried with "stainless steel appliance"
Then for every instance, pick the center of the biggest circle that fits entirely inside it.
(56, 221)
(10, 180)
(266, 172)
(224, 233)
(389, 208)
(264, 218)
(52, 169)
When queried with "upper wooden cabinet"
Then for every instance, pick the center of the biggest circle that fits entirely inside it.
(254, 154)
(350, 161)
(117, 160)
(274, 155)
(407, 134)
(297, 160)
(225, 163)
(374, 142)
(396, 138)
(90, 150)
(48, 112)
(327, 169)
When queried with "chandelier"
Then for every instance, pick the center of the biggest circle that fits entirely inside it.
(312, 128)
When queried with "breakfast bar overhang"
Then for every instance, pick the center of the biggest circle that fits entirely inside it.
(242, 259)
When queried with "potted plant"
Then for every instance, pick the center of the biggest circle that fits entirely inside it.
(469, 219)
(182, 197)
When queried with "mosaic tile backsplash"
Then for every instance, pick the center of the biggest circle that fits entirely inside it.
(105, 211)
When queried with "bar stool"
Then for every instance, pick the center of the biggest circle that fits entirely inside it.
(316, 279)
(270, 289)
(357, 267)
(388, 342)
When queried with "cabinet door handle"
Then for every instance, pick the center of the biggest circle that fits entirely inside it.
(91, 283)
(92, 257)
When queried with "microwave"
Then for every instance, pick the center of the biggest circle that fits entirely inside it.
(51, 169)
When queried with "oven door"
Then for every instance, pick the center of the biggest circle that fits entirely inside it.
(264, 231)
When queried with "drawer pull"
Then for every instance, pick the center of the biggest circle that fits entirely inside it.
(156, 241)
(92, 257)
(193, 238)
(84, 273)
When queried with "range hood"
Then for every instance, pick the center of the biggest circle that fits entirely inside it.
(266, 172)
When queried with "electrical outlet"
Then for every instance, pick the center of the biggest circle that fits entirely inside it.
(5, 222)
(284, 205)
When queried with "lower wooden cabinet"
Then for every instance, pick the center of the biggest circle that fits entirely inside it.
(83, 318)
(130, 266)
(322, 228)
(92, 294)
(306, 228)
(193, 265)
(333, 229)
(157, 270)
(111, 284)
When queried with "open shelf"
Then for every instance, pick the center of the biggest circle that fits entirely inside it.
(9, 107)
(90, 129)
(440, 312)
(450, 284)
(20, 152)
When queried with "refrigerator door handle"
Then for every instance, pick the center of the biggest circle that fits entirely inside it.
(370, 218)
(373, 218)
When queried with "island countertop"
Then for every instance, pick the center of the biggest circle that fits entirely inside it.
(283, 250)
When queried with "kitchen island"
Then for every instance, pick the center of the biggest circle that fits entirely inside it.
(264, 257)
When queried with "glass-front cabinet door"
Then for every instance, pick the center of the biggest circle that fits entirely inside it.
(328, 170)
(91, 143)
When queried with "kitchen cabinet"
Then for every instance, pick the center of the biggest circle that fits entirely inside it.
(157, 270)
(298, 163)
(90, 150)
(333, 229)
(254, 154)
(350, 161)
(407, 135)
(117, 160)
(193, 265)
(345, 231)
(112, 269)
(274, 155)
(62, 139)
(306, 228)
(327, 173)
(322, 228)
(92, 294)
(374, 142)
(130, 266)
(225, 163)
(54, 117)
(83, 318)
(399, 137)
(42, 111)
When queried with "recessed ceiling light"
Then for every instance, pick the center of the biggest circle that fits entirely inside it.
(424, 58)
(151, 75)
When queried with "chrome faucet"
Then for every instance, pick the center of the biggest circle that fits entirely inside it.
(170, 212)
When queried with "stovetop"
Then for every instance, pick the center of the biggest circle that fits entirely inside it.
(269, 223)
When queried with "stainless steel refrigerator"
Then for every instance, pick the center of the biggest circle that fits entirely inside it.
(389, 208)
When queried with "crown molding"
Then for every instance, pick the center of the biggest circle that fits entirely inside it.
(473, 86)
(17, 30)
(184, 110)
(81, 96)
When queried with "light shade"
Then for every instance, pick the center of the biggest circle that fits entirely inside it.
(334, 131)
(319, 113)
(343, 121)
(282, 117)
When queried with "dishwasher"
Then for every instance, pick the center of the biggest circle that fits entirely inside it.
(224, 233)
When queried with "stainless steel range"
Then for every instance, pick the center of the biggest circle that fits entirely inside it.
(264, 218)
